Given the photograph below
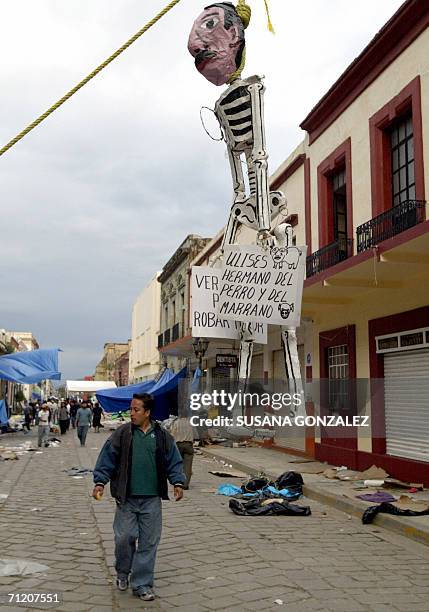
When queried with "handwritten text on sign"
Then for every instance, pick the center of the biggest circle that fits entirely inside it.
(262, 286)
(206, 322)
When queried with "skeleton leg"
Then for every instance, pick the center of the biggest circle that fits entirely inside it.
(239, 197)
(293, 370)
(259, 157)
(245, 357)
(283, 238)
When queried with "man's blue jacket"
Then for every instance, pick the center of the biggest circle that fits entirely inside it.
(114, 462)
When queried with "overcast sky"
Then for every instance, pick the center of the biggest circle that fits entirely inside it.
(99, 196)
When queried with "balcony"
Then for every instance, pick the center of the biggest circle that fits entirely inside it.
(328, 256)
(167, 337)
(160, 340)
(389, 224)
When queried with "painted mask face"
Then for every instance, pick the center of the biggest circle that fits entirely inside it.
(216, 39)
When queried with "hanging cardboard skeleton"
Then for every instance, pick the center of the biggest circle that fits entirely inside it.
(217, 42)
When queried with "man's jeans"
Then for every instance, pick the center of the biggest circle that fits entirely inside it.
(43, 432)
(139, 518)
(82, 430)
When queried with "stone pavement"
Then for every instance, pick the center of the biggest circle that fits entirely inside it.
(209, 559)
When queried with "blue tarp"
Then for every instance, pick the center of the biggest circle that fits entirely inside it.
(164, 392)
(30, 367)
(3, 413)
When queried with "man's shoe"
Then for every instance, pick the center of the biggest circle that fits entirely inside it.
(145, 594)
(122, 584)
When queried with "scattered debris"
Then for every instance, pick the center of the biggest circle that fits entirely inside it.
(408, 503)
(20, 567)
(373, 483)
(8, 455)
(393, 482)
(374, 472)
(378, 497)
(228, 473)
(78, 471)
(278, 602)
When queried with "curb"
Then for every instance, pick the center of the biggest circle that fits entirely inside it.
(402, 526)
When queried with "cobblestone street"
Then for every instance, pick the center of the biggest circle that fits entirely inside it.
(209, 559)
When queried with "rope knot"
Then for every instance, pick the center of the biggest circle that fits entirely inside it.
(244, 12)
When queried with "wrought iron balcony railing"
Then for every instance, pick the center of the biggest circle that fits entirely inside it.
(389, 224)
(328, 256)
(167, 337)
(160, 340)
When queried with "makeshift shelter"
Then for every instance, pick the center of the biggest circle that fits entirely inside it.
(30, 367)
(88, 386)
(164, 391)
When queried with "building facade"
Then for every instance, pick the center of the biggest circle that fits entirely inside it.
(358, 185)
(174, 339)
(144, 358)
(105, 369)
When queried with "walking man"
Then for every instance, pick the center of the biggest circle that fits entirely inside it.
(73, 411)
(27, 415)
(182, 432)
(137, 459)
(43, 424)
(63, 417)
(83, 422)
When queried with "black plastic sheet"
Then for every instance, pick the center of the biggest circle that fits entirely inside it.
(260, 507)
(386, 508)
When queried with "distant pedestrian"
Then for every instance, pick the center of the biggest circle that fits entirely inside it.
(182, 431)
(27, 415)
(44, 418)
(97, 411)
(83, 422)
(63, 418)
(73, 411)
(137, 459)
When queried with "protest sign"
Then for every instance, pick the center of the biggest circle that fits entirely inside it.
(205, 321)
(262, 285)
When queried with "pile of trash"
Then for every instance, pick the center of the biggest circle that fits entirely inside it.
(386, 492)
(12, 453)
(260, 496)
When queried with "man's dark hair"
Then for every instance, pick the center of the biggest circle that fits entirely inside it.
(231, 17)
(146, 399)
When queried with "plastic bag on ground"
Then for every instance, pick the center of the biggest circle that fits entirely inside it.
(228, 489)
(20, 567)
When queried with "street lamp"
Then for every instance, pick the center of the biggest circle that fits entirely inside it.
(200, 346)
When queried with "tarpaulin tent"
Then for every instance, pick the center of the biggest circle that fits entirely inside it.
(30, 367)
(89, 386)
(3, 413)
(164, 391)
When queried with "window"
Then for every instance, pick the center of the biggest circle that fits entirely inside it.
(339, 210)
(334, 180)
(338, 374)
(402, 159)
(397, 172)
